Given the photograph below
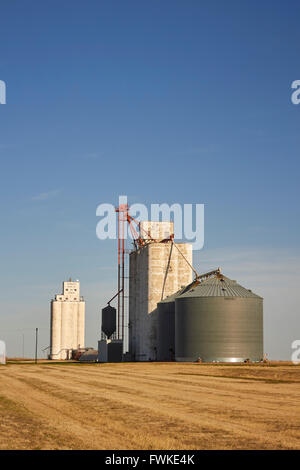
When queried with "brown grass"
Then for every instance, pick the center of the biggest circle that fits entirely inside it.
(149, 406)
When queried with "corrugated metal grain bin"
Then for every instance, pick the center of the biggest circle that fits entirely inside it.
(219, 320)
(166, 326)
(166, 329)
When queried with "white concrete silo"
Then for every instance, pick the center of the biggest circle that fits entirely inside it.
(81, 325)
(67, 321)
(156, 271)
(55, 340)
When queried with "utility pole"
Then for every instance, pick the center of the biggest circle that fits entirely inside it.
(23, 346)
(36, 343)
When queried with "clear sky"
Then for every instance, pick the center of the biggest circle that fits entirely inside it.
(165, 101)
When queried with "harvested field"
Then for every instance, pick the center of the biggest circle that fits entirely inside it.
(149, 406)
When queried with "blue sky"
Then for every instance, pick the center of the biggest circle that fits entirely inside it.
(165, 101)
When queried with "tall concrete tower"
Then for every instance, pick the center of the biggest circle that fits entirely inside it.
(67, 321)
(155, 271)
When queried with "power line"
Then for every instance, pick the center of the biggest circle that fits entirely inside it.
(23, 329)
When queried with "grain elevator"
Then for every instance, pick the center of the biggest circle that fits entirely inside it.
(156, 270)
(175, 314)
(67, 321)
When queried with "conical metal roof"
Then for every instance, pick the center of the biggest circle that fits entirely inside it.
(219, 286)
(182, 290)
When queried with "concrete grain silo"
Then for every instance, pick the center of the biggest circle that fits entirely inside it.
(156, 270)
(218, 320)
(81, 323)
(67, 321)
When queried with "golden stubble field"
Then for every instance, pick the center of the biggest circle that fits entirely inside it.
(149, 406)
